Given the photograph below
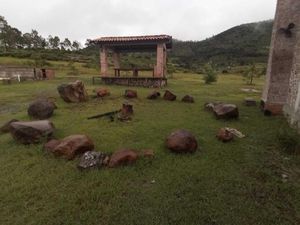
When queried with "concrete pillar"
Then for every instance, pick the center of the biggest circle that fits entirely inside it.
(281, 58)
(104, 61)
(116, 60)
(160, 61)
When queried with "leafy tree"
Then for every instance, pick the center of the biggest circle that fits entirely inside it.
(37, 40)
(75, 45)
(53, 42)
(67, 44)
(210, 74)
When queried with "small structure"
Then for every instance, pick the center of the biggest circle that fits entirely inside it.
(118, 45)
(282, 88)
(24, 73)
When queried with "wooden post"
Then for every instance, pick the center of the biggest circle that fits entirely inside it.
(103, 61)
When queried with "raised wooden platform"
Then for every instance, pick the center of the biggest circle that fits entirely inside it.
(135, 81)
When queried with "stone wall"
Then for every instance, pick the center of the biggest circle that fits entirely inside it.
(281, 92)
(136, 81)
(26, 73)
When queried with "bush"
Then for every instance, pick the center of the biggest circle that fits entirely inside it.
(289, 140)
(210, 74)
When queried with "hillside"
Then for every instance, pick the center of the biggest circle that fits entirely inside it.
(241, 44)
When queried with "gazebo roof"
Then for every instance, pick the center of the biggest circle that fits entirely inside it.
(134, 43)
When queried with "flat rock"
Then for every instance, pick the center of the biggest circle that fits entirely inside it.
(188, 99)
(169, 96)
(182, 141)
(226, 111)
(250, 102)
(92, 159)
(31, 132)
(73, 92)
(6, 127)
(41, 109)
(153, 95)
(224, 135)
(148, 153)
(209, 106)
(73, 145)
(130, 94)
(123, 157)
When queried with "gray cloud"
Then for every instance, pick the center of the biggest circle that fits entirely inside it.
(183, 19)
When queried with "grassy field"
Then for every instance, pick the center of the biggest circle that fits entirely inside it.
(235, 183)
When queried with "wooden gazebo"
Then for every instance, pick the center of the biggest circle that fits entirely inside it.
(118, 45)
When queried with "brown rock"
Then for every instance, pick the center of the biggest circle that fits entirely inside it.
(73, 145)
(127, 109)
(188, 99)
(130, 94)
(5, 127)
(182, 141)
(102, 92)
(121, 157)
(224, 135)
(73, 92)
(250, 102)
(41, 109)
(51, 145)
(153, 95)
(169, 96)
(31, 132)
(226, 111)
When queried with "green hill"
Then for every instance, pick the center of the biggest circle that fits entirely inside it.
(239, 45)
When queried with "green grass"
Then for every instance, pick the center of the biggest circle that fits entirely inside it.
(234, 183)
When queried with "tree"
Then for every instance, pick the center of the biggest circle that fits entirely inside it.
(53, 42)
(251, 73)
(75, 45)
(67, 44)
(37, 40)
(210, 74)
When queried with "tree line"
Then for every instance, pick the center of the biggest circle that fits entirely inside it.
(12, 38)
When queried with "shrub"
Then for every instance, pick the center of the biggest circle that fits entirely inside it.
(210, 74)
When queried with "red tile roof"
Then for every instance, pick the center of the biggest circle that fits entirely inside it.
(134, 38)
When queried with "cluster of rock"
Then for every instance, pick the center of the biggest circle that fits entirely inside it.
(169, 96)
(179, 141)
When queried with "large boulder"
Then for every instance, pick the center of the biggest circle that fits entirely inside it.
(226, 111)
(6, 127)
(92, 159)
(182, 141)
(122, 157)
(188, 99)
(31, 132)
(224, 135)
(130, 94)
(73, 92)
(153, 95)
(169, 96)
(41, 109)
(72, 146)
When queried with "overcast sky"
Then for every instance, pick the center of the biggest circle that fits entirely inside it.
(183, 19)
